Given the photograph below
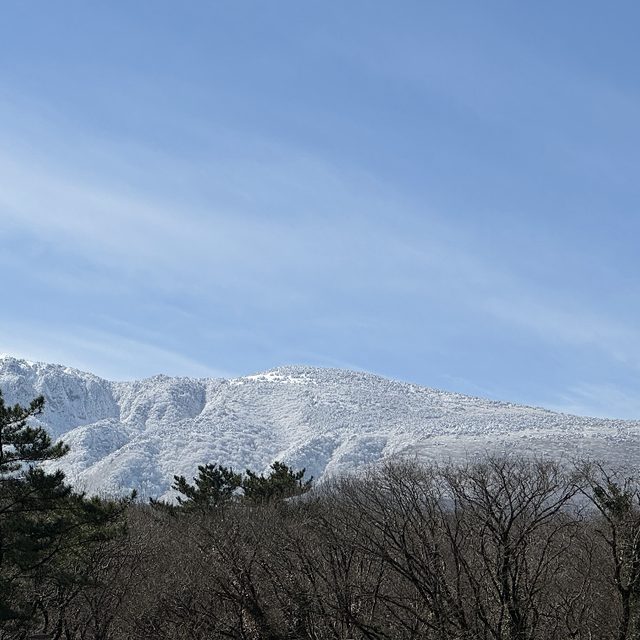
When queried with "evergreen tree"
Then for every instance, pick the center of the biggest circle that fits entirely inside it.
(216, 486)
(42, 521)
(213, 487)
(283, 482)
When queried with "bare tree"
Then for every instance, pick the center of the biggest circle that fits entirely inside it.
(617, 501)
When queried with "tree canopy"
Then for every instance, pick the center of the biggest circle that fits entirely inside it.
(43, 522)
(216, 485)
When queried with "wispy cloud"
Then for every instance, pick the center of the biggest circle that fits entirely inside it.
(564, 322)
(605, 400)
(112, 356)
(329, 234)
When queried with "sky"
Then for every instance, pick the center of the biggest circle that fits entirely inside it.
(441, 193)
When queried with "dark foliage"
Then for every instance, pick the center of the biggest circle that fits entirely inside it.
(45, 528)
(281, 483)
(214, 486)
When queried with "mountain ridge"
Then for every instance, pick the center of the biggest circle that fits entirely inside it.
(137, 434)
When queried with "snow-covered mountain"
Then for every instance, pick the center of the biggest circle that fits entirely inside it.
(126, 435)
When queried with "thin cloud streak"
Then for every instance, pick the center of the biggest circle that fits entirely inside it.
(119, 357)
(599, 400)
(561, 323)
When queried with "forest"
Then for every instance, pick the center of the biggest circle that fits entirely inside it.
(498, 548)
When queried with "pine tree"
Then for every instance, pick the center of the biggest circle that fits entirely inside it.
(283, 482)
(213, 487)
(216, 486)
(42, 521)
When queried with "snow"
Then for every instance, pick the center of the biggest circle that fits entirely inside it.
(137, 435)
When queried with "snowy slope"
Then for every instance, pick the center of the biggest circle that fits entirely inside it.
(126, 435)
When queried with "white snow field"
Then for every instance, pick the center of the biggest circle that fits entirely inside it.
(137, 435)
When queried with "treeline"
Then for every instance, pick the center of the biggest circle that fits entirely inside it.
(500, 549)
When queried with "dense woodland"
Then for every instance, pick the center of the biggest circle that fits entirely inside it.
(501, 548)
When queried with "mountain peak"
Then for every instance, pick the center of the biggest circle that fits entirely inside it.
(139, 434)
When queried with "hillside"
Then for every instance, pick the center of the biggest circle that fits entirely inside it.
(137, 435)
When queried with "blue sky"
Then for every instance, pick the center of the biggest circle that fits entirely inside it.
(444, 193)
